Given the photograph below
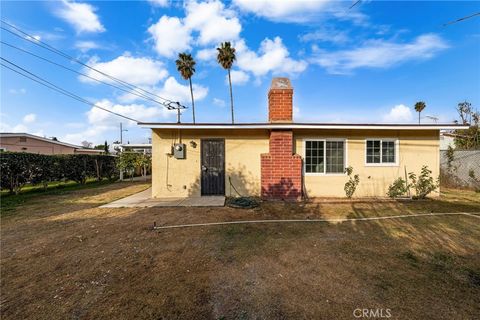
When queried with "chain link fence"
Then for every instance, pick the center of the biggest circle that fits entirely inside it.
(457, 173)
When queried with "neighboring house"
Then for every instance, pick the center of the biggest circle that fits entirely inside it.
(281, 159)
(25, 142)
(145, 148)
(446, 140)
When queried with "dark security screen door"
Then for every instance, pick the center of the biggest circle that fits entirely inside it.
(213, 167)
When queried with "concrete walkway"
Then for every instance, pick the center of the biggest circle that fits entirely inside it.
(144, 200)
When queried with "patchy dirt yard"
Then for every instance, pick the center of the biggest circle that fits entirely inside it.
(63, 257)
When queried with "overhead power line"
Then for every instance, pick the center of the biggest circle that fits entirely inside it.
(461, 19)
(28, 37)
(83, 74)
(354, 4)
(27, 74)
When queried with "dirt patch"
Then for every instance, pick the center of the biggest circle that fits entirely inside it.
(63, 257)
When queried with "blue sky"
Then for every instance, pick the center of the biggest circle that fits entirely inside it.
(366, 64)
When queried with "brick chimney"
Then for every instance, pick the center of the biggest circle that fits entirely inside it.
(280, 100)
(281, 170)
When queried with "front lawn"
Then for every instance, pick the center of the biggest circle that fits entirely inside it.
(63, 257)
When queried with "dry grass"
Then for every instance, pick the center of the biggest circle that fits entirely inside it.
(63, 257)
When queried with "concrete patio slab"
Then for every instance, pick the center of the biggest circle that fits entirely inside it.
(144, 200)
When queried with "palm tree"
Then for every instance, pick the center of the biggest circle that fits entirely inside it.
(226, 57)
(419, 106)
(186, 67)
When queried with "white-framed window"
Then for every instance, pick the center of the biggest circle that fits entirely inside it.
(324, 156)
(381, 152)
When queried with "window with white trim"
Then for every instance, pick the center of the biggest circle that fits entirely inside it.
(324, 156)
(380, 151)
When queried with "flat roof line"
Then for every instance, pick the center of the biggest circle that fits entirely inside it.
(157, 125)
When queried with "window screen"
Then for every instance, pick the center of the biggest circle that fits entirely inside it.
(334, 155)
(324, 156)
(314, 157)
(379, 151)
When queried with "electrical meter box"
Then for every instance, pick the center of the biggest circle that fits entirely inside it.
(179, 150)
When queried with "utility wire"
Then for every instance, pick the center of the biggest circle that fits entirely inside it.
(86, 75)
(54, 87)
(461, 19)
(354, 4)
(31, 38)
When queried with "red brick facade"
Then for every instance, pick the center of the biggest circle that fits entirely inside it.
(281, 170)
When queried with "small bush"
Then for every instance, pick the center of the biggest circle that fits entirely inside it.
(424, 183)
(352, 182)
(398, 188)
(475, 180)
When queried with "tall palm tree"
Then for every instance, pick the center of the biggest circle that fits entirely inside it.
(419, 106)
(226, 57)
(186, 67)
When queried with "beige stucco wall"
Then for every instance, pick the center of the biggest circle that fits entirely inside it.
(416, 148)
(181, 177)
(14, 144)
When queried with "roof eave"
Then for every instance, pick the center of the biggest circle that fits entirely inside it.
(303, 126)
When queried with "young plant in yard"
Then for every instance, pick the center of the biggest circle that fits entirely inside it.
(143, 161)
(424, 183)
(352, 182)
(127, 162)
(398, 188)
(475, 180)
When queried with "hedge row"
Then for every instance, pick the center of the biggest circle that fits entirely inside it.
(19, 168)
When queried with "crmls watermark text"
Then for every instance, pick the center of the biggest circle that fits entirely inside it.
(372, 313)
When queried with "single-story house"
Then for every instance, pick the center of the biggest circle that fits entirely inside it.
(25, 142)
(282, 159)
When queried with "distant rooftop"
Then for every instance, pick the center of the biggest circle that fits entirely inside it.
(31, 136)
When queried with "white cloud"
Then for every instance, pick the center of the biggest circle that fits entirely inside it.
(159, 3)
(326, 35)
(100, 122)
(213, 21)
(137, 71)
(209, 54)
(17, 91)
(5, 127)
(283, 10)
(170, 35)
(85, 46)
(380, 54)
(238, 77)
(30, 118)
(219, 102)
(177, 92)
(81, 16)
(273, 57)
(296, 113)
(399, 113)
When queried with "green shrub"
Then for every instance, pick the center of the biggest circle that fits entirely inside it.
(19, 168)
(398, 188)
(475, 180)
(424, 183)
(352, 182)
